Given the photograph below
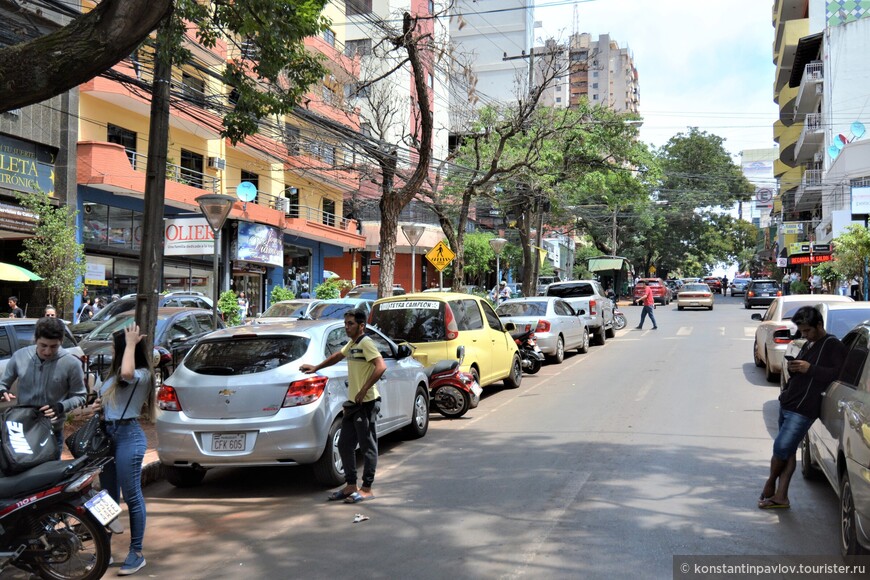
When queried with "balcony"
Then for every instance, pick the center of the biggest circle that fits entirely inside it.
(810, 91)
(177, 173)
(811, 140)
(809, 193)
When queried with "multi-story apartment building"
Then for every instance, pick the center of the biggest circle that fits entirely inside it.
(821, 85)
(297, 169)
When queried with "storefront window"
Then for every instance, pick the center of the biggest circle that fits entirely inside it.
(120, 227)
(96, 223)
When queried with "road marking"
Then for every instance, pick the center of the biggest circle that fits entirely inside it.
(643, 391)
(684, 330)
(722, 330)
(749, 331)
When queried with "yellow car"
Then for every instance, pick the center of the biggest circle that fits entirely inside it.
(437, 323)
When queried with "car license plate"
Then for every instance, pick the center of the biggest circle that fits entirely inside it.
(228, 441)
(476, 388)
(694, 302)
(103, 507)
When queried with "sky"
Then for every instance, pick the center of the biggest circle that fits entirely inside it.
(701, 63)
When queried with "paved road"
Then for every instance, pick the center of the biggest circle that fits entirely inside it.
(605, 466)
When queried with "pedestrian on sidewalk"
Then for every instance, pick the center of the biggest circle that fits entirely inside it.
(125, 397)
(649, 304)
(816, 365)
(365, 366)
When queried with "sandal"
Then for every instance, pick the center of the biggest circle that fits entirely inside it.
(339, 495)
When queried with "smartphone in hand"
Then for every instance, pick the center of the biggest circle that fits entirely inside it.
(788, 357)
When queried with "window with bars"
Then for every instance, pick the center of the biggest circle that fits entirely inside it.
(328, 212)
(361, 47)
(123, 137)
(329, 36)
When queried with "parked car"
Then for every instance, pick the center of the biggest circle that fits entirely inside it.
(776, 330)
(557, 326)
(738, 286)
(660, 291)
(761, 293)
(177, 331)
(179, 299)
(336, 307)
(695, 296)
(838, 444)
(590, 297)
(239, 399)
(370, 291)
(839, 318)
(544, 281)
(714, 283)
(437, 323)
(287, 311)
(674, 287)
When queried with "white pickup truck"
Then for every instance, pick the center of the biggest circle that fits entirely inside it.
(589, 296)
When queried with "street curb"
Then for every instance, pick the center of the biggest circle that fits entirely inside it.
(152, 469)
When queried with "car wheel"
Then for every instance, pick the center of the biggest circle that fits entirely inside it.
(183, 476)
(771, 376)
(599, 339)
(746, 306)
(584, 346)
(849, 545)
(711, 308)
(329, 469)
(610, 332)
(809, 467)
(419, 416)
(516, 377)
(758, 362)
(560, 351)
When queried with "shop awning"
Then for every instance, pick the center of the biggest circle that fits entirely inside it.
(606, 263)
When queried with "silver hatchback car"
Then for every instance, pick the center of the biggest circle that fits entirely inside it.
(238, 399)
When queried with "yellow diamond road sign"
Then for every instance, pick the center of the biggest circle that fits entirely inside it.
(440, 256)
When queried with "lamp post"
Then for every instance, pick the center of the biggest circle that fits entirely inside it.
(215, 207)
(412, 234)
(497, 245)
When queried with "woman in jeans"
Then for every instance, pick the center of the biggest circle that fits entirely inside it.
(125, 397)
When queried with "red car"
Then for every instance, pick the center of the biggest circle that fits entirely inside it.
(661, 293)
(714, 283)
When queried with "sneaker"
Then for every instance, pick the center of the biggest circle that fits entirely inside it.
(638, 328)
(132, 564)
(655, 327)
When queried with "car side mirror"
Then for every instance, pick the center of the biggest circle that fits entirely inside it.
(510, 326)
(756, 316)
(403, 351)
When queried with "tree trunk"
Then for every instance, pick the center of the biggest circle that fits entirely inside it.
(31, 72)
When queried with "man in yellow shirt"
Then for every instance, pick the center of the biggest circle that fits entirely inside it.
(365, 366)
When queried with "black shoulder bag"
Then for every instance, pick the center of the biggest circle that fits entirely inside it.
(92, 439)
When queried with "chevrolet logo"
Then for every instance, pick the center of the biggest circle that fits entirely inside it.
(226, 392)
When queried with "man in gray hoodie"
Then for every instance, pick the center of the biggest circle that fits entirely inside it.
(48, 376)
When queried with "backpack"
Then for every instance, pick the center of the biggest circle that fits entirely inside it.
(26, 439)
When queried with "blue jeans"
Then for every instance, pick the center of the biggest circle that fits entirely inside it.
(792, 429)
(647, 310)
(125, 475)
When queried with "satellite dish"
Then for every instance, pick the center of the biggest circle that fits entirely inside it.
(246, 191)
(842, 138)
(833, 151)
(857, 129)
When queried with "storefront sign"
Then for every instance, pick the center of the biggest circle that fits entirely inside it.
(792, 228)
(187, 237)
(17, 219)
(860, 200)
(804, 248)
(95, 275)
(809, 259)
(260, 244)
(26, 166)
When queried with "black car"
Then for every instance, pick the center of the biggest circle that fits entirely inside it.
(82, 329)
(761, 293)
(178, 330)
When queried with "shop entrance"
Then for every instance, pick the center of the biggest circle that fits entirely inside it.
(251, 285)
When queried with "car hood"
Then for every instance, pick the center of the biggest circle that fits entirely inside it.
(83, 328)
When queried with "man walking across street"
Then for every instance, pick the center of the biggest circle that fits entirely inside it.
(816, 365)
(48, 376)
(365, 366)
(649, 305)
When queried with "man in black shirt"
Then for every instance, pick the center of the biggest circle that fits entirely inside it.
(14, 310)
(817, 364)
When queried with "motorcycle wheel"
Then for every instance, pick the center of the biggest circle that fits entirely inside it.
(619, 321)
(534, 366)
(78, 546)
(451, 401)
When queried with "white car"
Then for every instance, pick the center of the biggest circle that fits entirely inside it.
(558, 327)
(776, 330)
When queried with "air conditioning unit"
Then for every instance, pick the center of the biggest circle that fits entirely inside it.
(217, 163)
(282, 204)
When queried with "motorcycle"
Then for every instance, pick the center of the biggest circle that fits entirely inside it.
(54, 524)
(531, 356)
(619, 320)
(453, 392)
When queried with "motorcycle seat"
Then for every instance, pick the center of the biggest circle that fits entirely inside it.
(442, 366)
(34, 479)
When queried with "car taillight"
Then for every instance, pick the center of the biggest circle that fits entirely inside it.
(750, 294)
(782, 335)
(543, 326)
(305, 391)
(451, 329)
(167, 399)
(592, 305)
(779, 292)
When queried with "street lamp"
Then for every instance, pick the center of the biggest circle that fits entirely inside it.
(497, 245)
(412, 234)
(215, 207)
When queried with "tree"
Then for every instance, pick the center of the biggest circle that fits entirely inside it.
(851, 249)
(53, 252)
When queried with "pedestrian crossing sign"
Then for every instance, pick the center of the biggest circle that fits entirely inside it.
(440, 256)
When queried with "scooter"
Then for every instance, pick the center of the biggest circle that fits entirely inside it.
(453, 392)
(531, 356)
(619, 320)
(54, 524)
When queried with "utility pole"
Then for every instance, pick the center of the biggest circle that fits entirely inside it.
(613, 234)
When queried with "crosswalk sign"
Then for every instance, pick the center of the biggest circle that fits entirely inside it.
(440, 256)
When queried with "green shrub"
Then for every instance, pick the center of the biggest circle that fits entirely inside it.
(229, 306)
(799, 287)
(332, 288)
(280, 293)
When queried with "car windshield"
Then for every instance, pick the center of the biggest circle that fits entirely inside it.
(842, 321)
(695, 288)
(411, 320)
(522, 309)
(286, 310)
(245, 355)
(330, 310)
(113, 309)
(571, 290)
(104, 332)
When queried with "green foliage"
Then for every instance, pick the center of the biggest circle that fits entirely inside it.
(280, 293)
(828, 273)
(479, 257)
(228, 303)
(53, 252)
(799, 287)
(850, 249)
(332, 288)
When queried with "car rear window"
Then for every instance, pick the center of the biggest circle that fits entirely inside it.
(695, 288)
(287, 310)
(411, 320)
(841, 322)
(571, 290)
(244, 356)
(467, 314)
(329, 310)
(792, 307)
(764, 286)
(523, 309)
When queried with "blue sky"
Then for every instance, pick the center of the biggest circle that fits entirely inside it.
(704, 63)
